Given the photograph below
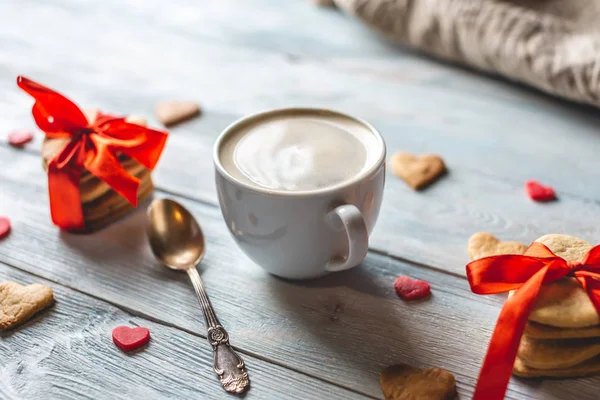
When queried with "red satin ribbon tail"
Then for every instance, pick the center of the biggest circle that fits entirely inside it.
(502, 351)
(592, 258)
(590, 281)
(143, 144)
(65, 201)
(149, 152)
(589, 276)
(104, 165)
(52, 111)
(500, 274)
(540, 250)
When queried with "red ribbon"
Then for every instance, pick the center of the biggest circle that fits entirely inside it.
(526, 273)
(93, 146)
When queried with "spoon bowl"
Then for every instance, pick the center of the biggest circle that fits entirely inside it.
(175, 237)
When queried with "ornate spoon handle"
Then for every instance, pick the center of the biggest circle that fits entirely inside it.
(227, 364)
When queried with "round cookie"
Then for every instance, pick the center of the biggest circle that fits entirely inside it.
(555, 354)
(568, 247)
(539, 331)
(589, 367)
(483, 244)
(564, 303)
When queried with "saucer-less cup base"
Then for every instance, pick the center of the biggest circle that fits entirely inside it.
(302, 235)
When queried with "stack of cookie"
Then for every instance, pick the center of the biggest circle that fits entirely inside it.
(100, 203)
(562, 337)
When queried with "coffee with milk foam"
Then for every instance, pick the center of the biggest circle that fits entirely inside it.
(299, 152)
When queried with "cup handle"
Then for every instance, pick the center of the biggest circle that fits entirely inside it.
(358, 237)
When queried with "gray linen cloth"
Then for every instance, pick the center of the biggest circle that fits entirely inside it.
(553, 45)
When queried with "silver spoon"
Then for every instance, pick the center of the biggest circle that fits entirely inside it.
(178, 242)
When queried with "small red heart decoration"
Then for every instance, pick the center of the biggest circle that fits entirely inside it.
(411, 289)
(127, 338)
(4, 227)
(19, 138)
(538, 192)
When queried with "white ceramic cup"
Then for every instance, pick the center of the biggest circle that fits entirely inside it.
(302, 235)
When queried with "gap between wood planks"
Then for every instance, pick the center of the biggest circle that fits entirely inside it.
(138, 314)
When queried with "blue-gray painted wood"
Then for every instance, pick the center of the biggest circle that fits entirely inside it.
(66, 352)
(238, 57)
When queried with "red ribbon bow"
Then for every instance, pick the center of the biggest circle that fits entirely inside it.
(93, 146)
(527, 273)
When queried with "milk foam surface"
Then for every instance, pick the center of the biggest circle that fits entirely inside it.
(299, 153)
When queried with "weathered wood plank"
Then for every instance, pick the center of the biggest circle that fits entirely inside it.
(504, 131)
(67, 353)
(344, 328)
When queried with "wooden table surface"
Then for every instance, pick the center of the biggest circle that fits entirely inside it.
(322, 339)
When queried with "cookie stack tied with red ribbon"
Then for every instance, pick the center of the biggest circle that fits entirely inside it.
(99, 166)
(562, 335)
(550, 324)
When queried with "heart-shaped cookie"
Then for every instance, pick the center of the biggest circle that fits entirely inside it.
(324, 3)
(18, 303)
(417, 172)
(483, 244)
(403, 382)
(128, 339)
(411, 289)
(538, 192)
(174, 112)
